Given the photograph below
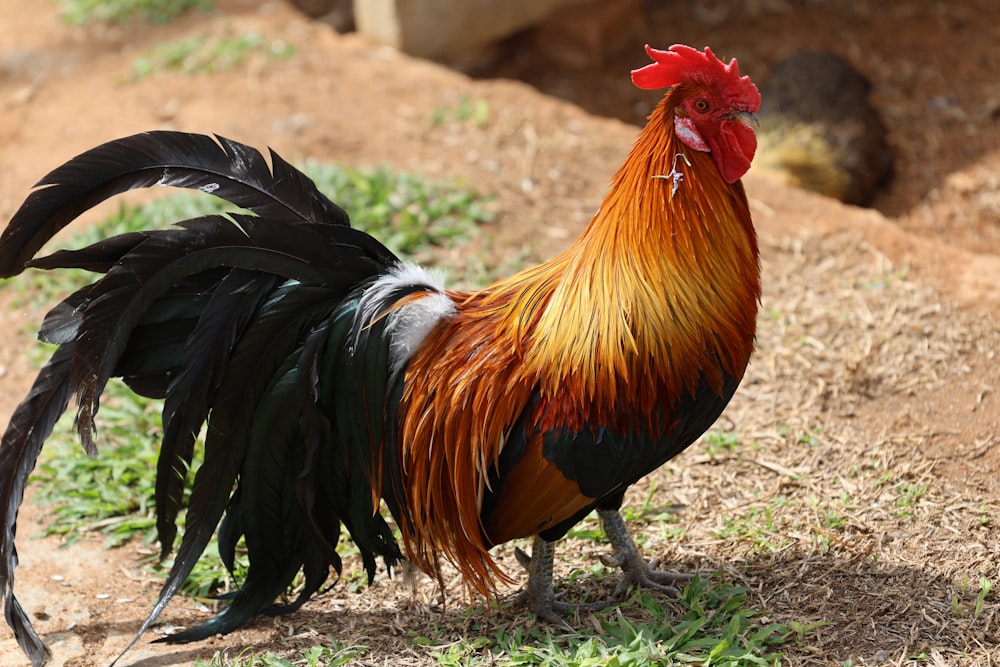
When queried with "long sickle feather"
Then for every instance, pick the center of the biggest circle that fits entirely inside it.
(224, 168)
(30, 425)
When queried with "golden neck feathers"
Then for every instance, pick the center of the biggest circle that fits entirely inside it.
(663, 281)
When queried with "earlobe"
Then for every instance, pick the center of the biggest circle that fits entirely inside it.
(688, 133)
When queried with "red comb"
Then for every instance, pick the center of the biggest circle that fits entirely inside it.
(682, 63)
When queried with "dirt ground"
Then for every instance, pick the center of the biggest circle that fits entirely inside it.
(877, 355)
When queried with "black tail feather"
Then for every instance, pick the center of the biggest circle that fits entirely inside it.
(267, 343)
(224, 168)
(203, 360)
(235, 321)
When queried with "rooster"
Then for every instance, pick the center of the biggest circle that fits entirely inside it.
(337, 385)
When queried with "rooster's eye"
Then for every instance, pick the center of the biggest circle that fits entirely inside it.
(701, 105)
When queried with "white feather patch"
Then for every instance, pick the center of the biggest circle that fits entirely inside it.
(411, 324)
(688, 133)
(408, 325)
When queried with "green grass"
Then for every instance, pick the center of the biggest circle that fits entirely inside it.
(709, 625)
(116, 12)
(464, 110)
(207, 55)
(759, 526)
(970, 600)
(908, 500)
(333, 655)
(720, 444)
(112, 494)
(409, 215)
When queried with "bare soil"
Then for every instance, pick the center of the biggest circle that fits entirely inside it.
(876, 372)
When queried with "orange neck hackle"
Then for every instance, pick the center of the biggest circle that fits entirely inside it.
(664, 276)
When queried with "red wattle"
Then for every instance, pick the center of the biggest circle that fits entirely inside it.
(733, 149)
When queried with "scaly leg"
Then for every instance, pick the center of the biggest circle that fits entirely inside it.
(538, 595)
(636, 571)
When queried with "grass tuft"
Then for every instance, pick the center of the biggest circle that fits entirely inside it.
(709, 625)
(207, 55)
(117, 12)
(333, 655)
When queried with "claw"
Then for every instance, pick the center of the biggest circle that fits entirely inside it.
(636, 571)
(643, 574)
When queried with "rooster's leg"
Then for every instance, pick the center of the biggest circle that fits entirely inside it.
(636, 570)
(539, 595)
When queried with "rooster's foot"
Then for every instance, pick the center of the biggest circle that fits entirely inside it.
(636, 571)
(643, 574)
(538, 595)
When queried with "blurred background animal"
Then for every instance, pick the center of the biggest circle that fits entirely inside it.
(819, 130)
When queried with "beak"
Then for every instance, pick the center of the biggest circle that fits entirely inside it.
(747, 118)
